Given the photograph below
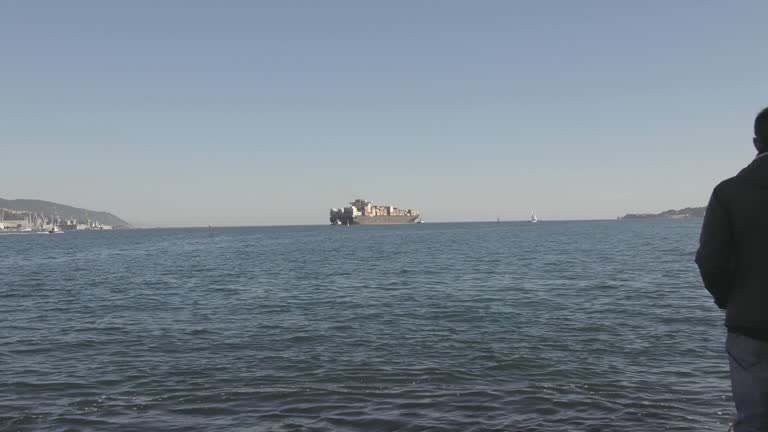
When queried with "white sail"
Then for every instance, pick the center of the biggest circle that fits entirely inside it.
(533, 217)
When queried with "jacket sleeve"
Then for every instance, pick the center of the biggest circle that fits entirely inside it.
(715, 255)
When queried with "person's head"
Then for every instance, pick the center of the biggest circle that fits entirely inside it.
(761, 131)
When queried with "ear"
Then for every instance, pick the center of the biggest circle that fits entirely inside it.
(758, 145)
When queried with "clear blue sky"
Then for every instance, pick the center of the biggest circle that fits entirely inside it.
(248, 112)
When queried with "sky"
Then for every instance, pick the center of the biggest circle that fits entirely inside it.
(188, 113)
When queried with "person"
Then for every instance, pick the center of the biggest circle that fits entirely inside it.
(733, 262)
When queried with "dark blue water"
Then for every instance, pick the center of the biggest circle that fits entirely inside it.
(560, 326)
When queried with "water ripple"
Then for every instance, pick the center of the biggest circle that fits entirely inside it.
(593, 326)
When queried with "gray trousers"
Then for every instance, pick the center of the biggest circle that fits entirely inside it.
(749, 380)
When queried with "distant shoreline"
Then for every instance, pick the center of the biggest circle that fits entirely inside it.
(688, 212)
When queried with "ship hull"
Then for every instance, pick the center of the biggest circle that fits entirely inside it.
(384, 220)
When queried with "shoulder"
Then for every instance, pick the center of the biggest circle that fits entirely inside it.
(727, 185)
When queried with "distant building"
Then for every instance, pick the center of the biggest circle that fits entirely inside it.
(11, 219)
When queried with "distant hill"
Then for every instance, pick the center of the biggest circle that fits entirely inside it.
(49, 209)
(688, 212)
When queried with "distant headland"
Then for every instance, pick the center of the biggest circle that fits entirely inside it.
(29, 213)
(688, 212)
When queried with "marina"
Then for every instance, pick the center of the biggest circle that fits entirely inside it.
(32, 222)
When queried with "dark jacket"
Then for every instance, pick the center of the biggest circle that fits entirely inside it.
(733, 250)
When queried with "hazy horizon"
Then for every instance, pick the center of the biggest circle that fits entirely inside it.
(517, 218)
(194, 113)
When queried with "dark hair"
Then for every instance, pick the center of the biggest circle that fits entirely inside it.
(761, 125)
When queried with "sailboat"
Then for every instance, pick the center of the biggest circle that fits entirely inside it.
(534, 219)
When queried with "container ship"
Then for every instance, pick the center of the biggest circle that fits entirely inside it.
(362, 212)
